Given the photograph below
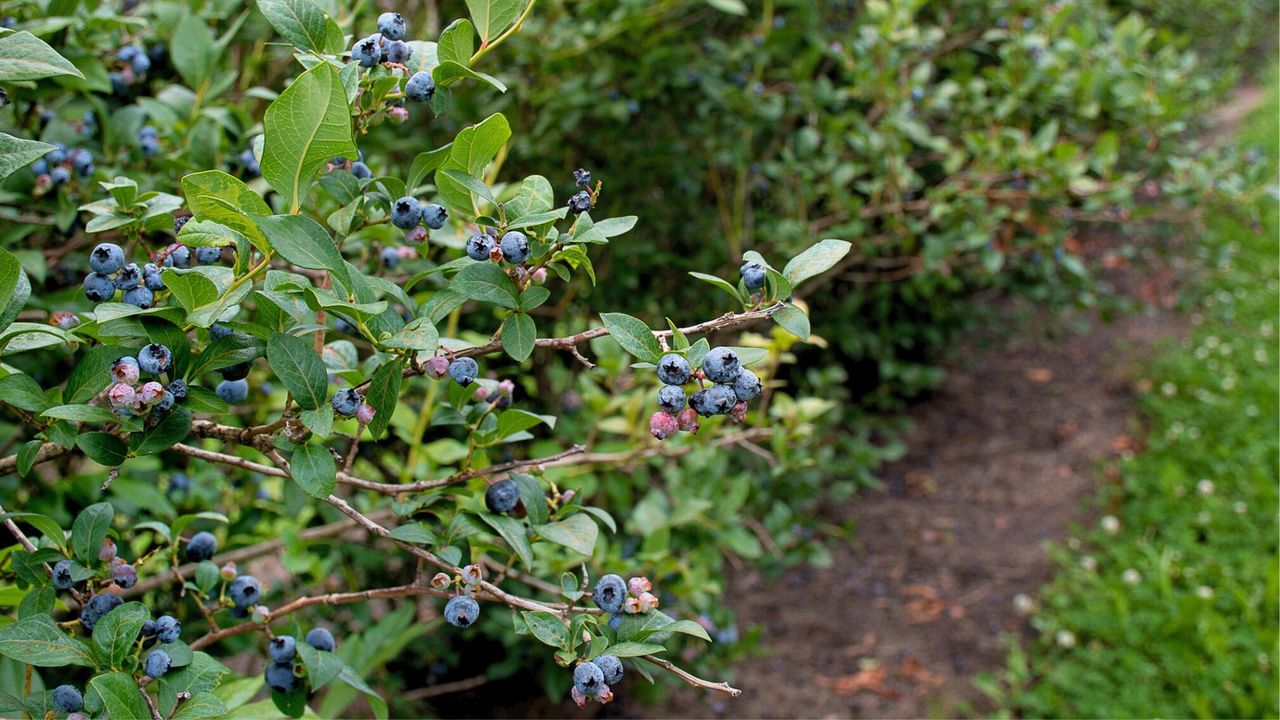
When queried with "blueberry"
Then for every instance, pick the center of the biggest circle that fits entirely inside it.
(249, 163)
(148, 131)
(673, 369)
(582, 177)
(610, 592)
(129, 276)
(434, 216)
(663, 425)
(208, 255)
(367, 52)
(420, 87)
(461, 611)
(479, 245)
(124, 575)
(611, 666)
(168, 629)
(746, 385)
(140, 64)
(106, 258)
(347, 402)
(178, 257)
(154, 358)
(156, 664)
(615, 621)
(390, 258)
(321, 639)
(239, 371)
(515, 247)
(671, 399)
(245, 591)
(97, 607)
(233, 392)
(721, 365)
(282, 648)
(149, 146)
(82, 162)
(179, 482)
(40, 167)
(392, 25)
(405, 212)
(361, 171)
(67, 699)
(580, 202)
(715, 400)
(59, 175)
(217, 331)
(178, 389)
(119, 87)
(281, 678)
(139, 296)
(180, 222)
(398, 52)
(502, 496)
(464, 371)
(57, 155)
(201, 546)
(588, 678)
(148, 629)
(753, 275)
(151, 277)
(98, 287)
(62, 575)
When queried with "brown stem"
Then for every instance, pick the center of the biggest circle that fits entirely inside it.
(690, 678)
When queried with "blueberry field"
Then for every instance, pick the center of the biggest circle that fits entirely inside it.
(614, 358)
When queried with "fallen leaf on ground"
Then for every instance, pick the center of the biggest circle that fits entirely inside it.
(914, 672)
(1039, 375)
(865, 680)
(862, 647)
(926, 605)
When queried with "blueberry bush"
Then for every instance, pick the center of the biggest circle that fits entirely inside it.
(282, 347)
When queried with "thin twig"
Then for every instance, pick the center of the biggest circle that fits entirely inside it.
(690, 678)
(456, 686)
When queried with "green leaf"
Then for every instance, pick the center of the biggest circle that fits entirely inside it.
(216, 196)
(732, 7)
(21, 391)
(306, 126)
(313, 469)
(449, 72)
(17, 153)
(634, 649)
(469, 153)
(10, 268)
(547, 628)
(375, 701)
(417, 533)
(382, 395)
(304, 25)
(718, 282)
(513, 532)
(322, 667)
(491, 17)
(199, 706)
(577, 532)
(793, 320)
(687, 627)
(92, 373)
(486, 282)
(633, 335)
(115, 634)
(533, 497)
(118, 695)
(80, 413)
(24, 56)
(601, 231)
(514, 420)
(203, 674)
(89, 530)
(457, 42)
(294, 361)
(45, 524)
(172, 429)
(473, 184)
(518, 334)
(818, 259)
(193, 51)
(206, 233)
(190, 289)
(418, 335)
(37, 640)
(303, 242)
(424, 164)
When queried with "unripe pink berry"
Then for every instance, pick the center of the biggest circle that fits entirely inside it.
(482, 392)
(639, 585)
(578, 698)
(122, 395)
(663, 425)
(539, 276)
(605, 695)
(688, 420)
(495, 254)
(228, 571)
(399, 114)
(472, 574)
(64, 319)
(440, 581)
(647, 602)
(365, 413)
(738, 413)
(107, 551)
(150, 392)
(506, 387)
(416, 235)
(438, 367)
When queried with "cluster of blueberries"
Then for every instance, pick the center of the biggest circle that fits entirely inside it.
(388, 46)
(733, 386)
(132, 63)
(283, 673)
(350, 403)
(462, 610)
(130, 396)
(109, 272)
(57, 166)
(513, 246)
(592, 678)
(410, 215)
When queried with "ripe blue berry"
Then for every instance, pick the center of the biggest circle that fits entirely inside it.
(59, 175)
(753, 275)
(130, 276)
(502, 496)
(106, 258)
(208, 255)
(673, 369)
(178, 389)
(390, 258)
(168, 629)
(282, 648)
(721, 365)
(420, 87)
(397, 51)
(156, 664)
(588, 678)
(249, 163)
(62, 579)
(280, 677)
(233, 391)
(201, 546)
(125, 576)
(148, 131)
(610, 592)
(406, 212)
(464, 371)
(671, 399)
(82, 163)
(580, 202)
(179, 257)
(98, 287)
(515, 247)
(154, 358)
(244, 591)
(434, 216)
(392, 26)
(582, 177)
(361, 171)
(141, 63)
(149, 146)
(367, 52)
(746, 385)
(217, 331)
(151, 277)
(139, 296)
(611, 666)
(67, 699)
(715, 400)
(239, 371)
(479, 245)
(461, 611)
(40, 167)
(97, 607)
(347, 402)
(321, 639)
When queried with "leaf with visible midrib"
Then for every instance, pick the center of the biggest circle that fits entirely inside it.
(312, 467)
(493, 16)
(115, 633)
(295, 362)
(633, 335)
(518, 336)
(38, 641)
(24, 56)
(17, 153)
(306, 126)
(304, 24)
(120, 696)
